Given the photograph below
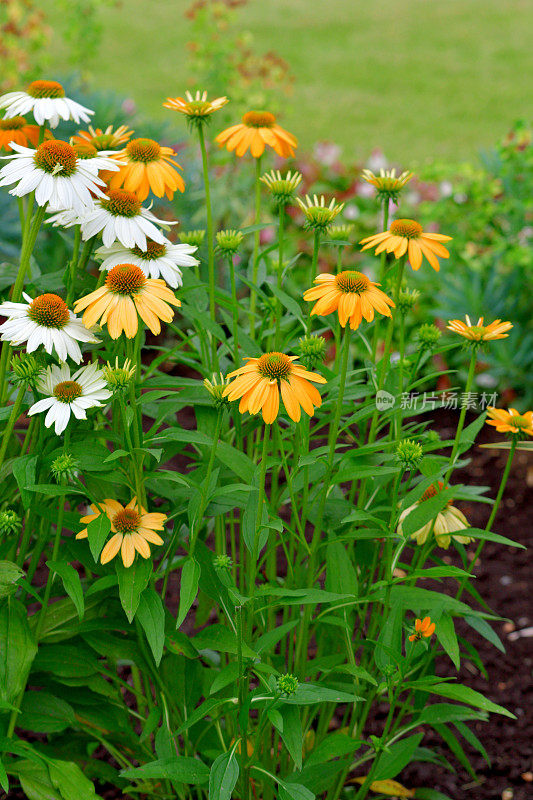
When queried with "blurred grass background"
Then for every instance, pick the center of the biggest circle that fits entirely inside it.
(416, 78)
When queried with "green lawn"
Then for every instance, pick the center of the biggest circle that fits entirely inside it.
(417, 78)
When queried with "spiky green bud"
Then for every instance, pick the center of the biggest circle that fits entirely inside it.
(287, 684)
(408, 454)
(228, 242)
(194, 238)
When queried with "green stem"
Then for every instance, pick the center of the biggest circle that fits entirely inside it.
(281, 247)
(259, 516)
(235, 311)
(210, 244)
(460, 426)
(255, 255)
(73, 264)
(203, 500)
(13, 417)
(313, 272)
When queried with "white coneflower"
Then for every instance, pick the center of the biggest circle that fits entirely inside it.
(69, 394)
(156, 260)
(46, 321)
(120, 216)
(56, 174)
(47, 102)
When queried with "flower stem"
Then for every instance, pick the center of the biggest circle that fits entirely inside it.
(460, 425)
(235, 311)
(14, 415)
(210, 244)
(313, 272)
(74, 264)
(257, 238)
(205, 490)
(281, 236)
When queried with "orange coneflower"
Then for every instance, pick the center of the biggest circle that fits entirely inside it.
(511, 421)
(257, 129)
(16, 129)
(126, 292)
(350, 293)
(407, 236)
(149, 167)
(103, 140)
(423, 628)
(480, 332)
(133, 526)
(261, 380)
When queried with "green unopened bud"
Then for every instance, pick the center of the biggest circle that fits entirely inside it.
(119, 377)
(312, 350)
(26, 369)
(195, 238)
(287, 684)
(428, 335)
(64, 466)
(340, 233)
(10, 522)
(228, 242)
(216, 387)
(223, 561)
(318, 215)
(409, 454)
(432, 436)
(407, 299)
(281, 189)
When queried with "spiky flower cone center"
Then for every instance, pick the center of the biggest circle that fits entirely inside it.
(49, 310)
(13, 124)
(55, 157)
(352, 282)
(407, 228)
(121, 203)
(431, 491)
(519, 422)
(127, 520)
(125, 279)
(259, 119)
(104, 141)
(143, 150)
(274, 366)
(153, 250)
(39, 89)
(67, 391)
(197, 108)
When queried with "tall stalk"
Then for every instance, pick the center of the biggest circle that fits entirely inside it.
(255, 254)
(210, 244)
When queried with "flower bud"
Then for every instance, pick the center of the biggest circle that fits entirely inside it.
(26, 369)
(312, 350)
(287, 684)
(340, 233)
(408, 454)
(223, 561)
(194, 238)
(318, 215)
(428, 335)
(407, 299)
(117, 377)
(10, 522)
(281, 189)
(228, 242)
(64, 466)
(216, 387)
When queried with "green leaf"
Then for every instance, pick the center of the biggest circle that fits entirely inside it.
(478, 533)
(437, 713)
(335, 745)
(426, 512)
(42, 712)
(269, 640)
(294, 791)
(397, 757)
(17, 649)
(151, 615)
(70, 780)
(292, 733)
(65, 661)
(190, 576)
(71, 582)
(445, 631)
(310, 693)
(390, 639)
(340, 572)
(484, 629)
(178, 768)
(98, 531)
(10, 574)
(25, 473)
(35, 781)
(220, 639)
(464, 694)
(132, 581)
(223, 776)
(227, 675)
(52, 490)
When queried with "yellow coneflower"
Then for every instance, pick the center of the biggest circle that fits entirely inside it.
(511, 421)
(257, 129)
(133, 527)
(261, 380)
(149, 167)
(196, 107)
(387, 183)
(480, 332)
(424, 628)
(350, 293)
(103, 140)
(446, 525)
(16, 129)
(128, 292)
(407, 236)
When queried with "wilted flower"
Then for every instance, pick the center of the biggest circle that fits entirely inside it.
(318, 215)
(445, 525)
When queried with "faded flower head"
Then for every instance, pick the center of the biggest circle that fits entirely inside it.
(281, 189)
